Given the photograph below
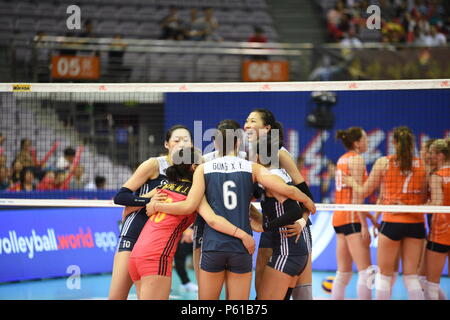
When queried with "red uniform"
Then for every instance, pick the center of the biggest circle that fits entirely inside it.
(409, 189)
(154, 250)
(440, 223)
(344, 193)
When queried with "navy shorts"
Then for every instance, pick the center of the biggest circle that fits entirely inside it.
(131, 229)
(199, 227)
(306, 234)
(217, 261)
(289, 264)
(348, 229)
(437, 247)
(397, 231)
(265, 240)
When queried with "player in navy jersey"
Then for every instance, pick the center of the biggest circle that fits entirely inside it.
(149, 175)
(199, 223)
(258, 123)
(289, 255)
(227, 184)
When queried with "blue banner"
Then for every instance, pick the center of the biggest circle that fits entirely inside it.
(57, 242)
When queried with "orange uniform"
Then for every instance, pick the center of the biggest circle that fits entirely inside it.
(344, 192)
(440, 223)
(409, 189)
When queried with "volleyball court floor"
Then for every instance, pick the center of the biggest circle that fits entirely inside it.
(96, 287)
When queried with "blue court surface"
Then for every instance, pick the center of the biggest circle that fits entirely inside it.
(96, 287)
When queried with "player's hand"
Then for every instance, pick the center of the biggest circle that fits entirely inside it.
(365, 235)
(249, 243)
(150, 207)
(310, 206)
(293, 230)
(256, 226)
(160, 196)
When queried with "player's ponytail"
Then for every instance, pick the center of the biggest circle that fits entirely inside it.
(349, 136)
(404, 147)
(268, 119)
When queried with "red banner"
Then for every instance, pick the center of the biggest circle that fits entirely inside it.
(265, 71)
(75, 67)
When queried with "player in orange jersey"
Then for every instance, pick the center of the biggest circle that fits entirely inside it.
(404, 179)
(438, 246)
(353, 237)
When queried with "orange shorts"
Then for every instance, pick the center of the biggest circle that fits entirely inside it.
(141, 267)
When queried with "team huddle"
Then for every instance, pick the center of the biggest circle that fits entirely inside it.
(212, 194)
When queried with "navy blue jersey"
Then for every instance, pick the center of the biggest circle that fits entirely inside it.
(229, 190)
(151, 184)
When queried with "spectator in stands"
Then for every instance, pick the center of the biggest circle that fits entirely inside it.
(171, 26)
(99, 184)
(27, 181)
(88, 31)
(334, 18)
(27, 154)
(211, 25)
(435, 38)
(66, 160)
(78, 182)
(116, 68)
(194, 28)
(350, 40)
(17, 168)
(258, 36)
(4, 178)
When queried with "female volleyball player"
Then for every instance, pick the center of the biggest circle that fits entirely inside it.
(438, 247)
(289, 256)
(260, 122)
(404, 179)
(149, 175)
(199, 223)
(352, 232)
(227, 182)
(150, 263)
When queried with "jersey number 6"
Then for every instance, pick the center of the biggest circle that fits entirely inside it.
(229, 197)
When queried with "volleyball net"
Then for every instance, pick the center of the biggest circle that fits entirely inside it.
(66, 149)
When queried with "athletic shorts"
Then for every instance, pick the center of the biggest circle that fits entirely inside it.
(291, 265)
(265, 240)
(348, 229)
(306, 233)
(131, 229)
(397, 231)
(199, 227)
(140, 267)
(437, 247)
(217, 261)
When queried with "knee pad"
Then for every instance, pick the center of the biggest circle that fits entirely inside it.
(412, 282)
(382, 282)
(343, 277)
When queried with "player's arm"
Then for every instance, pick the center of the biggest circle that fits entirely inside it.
(126, 196)
(187, 206)
(437, 195)
(129, 209)
(373, 182)
(275, 183)
(288, 164)
(221, 224)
